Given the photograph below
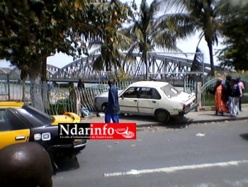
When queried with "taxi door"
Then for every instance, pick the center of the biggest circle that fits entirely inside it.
(13, 136)
(11, 132)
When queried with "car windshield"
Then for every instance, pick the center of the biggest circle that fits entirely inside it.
(170, 90)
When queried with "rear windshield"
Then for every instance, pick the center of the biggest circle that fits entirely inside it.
(170, 90)
(42, 116)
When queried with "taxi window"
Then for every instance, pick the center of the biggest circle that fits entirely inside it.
(9, 121)
(42, 116)
(31, 119)
(3, 121)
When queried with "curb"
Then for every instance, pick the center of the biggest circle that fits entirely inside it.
(190, 121)
(215, 120)
(187, 121)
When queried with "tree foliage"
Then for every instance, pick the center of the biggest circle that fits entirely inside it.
(32, 30)
(204, 15)
(150, 30)
(106, 20)
(234, 29)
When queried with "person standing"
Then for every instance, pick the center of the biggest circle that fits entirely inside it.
(234, 98)
(80, 85)
(219, 101)
(242, 89)
(227, 89)
(113, 108)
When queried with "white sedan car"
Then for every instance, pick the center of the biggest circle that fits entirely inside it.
(154, 98)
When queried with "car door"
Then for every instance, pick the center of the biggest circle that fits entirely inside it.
(12, 130)
(148, 100)
(128, 100)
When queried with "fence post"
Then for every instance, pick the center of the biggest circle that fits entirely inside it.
(198, 95)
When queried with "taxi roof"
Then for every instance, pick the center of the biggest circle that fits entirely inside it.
(11, 104)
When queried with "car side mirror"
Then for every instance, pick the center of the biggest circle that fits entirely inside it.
(122, 96)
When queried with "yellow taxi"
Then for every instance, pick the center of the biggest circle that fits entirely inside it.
(20, 122)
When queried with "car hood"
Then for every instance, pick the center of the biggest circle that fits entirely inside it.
(185, 97)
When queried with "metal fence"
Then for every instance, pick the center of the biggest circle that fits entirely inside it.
(63, 99)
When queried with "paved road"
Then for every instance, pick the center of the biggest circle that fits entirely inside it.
(206, 154)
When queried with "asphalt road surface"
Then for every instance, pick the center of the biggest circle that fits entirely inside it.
(204, 155)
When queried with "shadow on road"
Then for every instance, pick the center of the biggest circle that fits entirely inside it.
(244, 136)
(67, 164)
(149, 121)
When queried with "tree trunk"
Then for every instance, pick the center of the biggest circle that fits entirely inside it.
(23, 90)
(45, 95)
(210, 47)
(146, 64)
(35, 92)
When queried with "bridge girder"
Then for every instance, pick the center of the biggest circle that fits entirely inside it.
(164, 65)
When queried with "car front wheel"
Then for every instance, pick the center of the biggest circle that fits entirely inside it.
(162, 115)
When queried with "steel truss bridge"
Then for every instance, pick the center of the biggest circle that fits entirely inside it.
(161, 66)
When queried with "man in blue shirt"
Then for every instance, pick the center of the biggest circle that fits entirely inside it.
(113, 108)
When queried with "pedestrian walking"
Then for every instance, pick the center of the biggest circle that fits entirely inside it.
(234, 98)
(113, 109)
(227, 88)
(242, 90)
(219, 99)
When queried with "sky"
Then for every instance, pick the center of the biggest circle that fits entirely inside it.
(187, 45)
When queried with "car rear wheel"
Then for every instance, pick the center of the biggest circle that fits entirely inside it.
(162, 115)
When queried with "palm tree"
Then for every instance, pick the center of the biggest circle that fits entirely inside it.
(149, 31)
(204, 16)
(108, 39)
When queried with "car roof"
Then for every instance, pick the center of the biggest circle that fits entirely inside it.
(153, 84)
(11, 104)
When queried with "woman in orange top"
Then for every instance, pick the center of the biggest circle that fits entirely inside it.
(219, 101)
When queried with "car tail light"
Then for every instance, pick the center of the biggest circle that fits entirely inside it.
(37, 137)
(44, 136)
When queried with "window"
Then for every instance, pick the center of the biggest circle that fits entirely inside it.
(149, 93)
(9, 121)
(170, 91)
(45, 118)
(145, 93)
(155, 94)
(131, 92)
(4, 126)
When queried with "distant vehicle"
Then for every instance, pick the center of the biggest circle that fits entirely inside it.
(154, 98)
(23, 123)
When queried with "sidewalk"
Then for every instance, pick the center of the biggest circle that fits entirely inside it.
(205, 115)
(208, 116)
